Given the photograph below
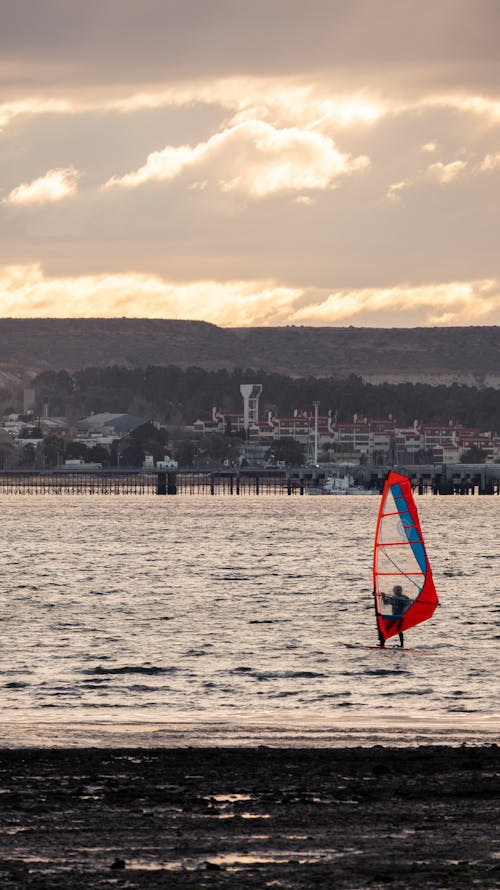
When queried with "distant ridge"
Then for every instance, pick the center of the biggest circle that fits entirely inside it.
(469, 355)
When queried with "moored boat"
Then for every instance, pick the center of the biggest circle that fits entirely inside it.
(340, 485)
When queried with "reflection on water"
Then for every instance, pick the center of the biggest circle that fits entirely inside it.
(231, 609)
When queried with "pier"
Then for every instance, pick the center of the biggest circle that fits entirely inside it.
(455, 479)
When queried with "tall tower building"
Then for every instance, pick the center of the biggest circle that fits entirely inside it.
(250, 393)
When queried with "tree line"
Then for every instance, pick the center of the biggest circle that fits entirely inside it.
(174, 395)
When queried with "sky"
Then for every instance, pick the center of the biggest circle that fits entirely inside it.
(251, 162)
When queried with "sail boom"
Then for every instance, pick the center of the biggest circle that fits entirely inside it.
(408, 574)
(399, 543)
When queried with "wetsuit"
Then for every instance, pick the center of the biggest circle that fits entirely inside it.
(399, 603)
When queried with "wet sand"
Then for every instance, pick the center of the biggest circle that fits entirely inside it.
(419, 817)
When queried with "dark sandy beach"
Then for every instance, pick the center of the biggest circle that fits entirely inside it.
(249, 818)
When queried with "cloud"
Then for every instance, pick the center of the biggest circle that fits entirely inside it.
(446, 173)
(26, 292)
(55, 185)
(406, 46)
(491, 162)
(31, 107)
(439, 172)
(224, 131)
(286, 101)
(452, 303)
(254, 158)
(280, 102)
(395, 189)
(482, 106)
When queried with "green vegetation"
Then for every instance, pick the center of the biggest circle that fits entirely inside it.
(474, 455)
(288, 450)
(175, 396)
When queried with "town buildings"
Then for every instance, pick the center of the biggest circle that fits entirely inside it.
(362, 439)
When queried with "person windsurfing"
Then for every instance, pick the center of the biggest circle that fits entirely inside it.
(399, 602)
(400, 560)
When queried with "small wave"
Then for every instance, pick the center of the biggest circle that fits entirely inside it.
(380, 672)
(98, 705)
(432, 647)
(96, 683)
(232, 578)
(129, 669)
(463, 710)
(267, 621)
(139, 687)
(17, 672)
(15, 685)
(284, 675)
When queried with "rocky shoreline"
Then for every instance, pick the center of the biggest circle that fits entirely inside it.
(419, 817)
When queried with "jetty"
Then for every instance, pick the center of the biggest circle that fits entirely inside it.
(456, 479)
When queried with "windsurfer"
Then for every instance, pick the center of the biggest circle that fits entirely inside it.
(399, 551)
(399, 602)
(397, 599)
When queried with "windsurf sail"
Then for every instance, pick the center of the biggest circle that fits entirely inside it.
(403, 586)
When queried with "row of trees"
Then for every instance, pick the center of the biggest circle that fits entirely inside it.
(174, 395)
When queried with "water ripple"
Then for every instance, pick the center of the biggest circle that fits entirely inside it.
(191, 591)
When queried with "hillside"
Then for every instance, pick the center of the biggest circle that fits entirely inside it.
(433, 355)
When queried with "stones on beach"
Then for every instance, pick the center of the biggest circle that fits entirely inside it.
(404, 817)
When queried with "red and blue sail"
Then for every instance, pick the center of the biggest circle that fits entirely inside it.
(403, 586)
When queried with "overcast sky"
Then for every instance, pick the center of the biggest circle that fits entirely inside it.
(251, 162)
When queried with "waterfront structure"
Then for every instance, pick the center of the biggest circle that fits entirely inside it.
(377, 440)
(90, 479)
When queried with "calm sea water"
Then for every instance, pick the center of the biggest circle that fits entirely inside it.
(196, 611)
